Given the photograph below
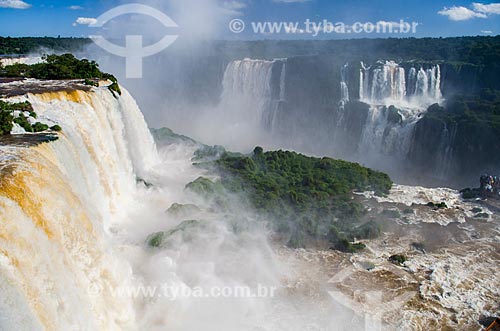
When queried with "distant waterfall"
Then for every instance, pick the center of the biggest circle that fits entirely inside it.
(344, 89)
(283, 81)
(344, 99)
(387, 83)
(253, 91)
(364, 79)
(444, 157)
(274, 114)
(388, 130)
(386, 133)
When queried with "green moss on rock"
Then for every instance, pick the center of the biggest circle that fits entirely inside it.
(398, 259)
(178, 209)
(40, 127)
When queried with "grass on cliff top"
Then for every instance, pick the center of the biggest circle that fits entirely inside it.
(65, 66)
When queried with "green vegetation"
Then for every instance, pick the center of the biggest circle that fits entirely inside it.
(341, 243)
(185, 229)
(469, 193)
(205, 187)
(22, 106)
(441, 205)
(65, 66)
(398, 259)
(90, 82)
(23, 122)
(56, 128)
(207, 153)
(39, 127)
(472, 113)
(470, 124)
(307, 198)
(166, 136)
(7, 118)
(29, 45)
(114, 87)
(458, 50)
(476, 50)
(178, 209)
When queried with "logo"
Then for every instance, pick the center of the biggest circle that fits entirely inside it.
(134, 51)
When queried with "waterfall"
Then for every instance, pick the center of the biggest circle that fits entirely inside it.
(412, 81)
(388, 84)
(278, 104)
(247, 89)
(283, 81)
(58, 202)
(364, 77)
(253, 91)
(386, 135)
(344, 99)
(444, 157)
(344, 89)
(388, 130)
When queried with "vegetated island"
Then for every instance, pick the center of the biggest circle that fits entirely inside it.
(306, 201)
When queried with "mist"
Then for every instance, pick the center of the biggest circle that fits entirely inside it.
(288, 94)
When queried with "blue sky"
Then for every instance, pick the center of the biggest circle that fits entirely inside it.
(435, 18)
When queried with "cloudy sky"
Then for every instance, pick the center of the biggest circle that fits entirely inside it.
(435, 18)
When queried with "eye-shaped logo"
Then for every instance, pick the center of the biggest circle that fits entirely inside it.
(134, 51)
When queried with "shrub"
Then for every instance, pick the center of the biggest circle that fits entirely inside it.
(40, 127)
(90, 82)
(398, 259)
(23, 122)
(370, 230)
(22, 106)
(6, 119)
(441, 205)
(56, 128)
(205, 187)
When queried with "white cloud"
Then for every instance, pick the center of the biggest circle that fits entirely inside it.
(492, 8)
(15, 4)
(460, 13)
(487, 31)
(85, 21)
(233, 7)
(75, 7)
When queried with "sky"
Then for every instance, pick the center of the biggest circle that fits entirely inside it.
(215, 18)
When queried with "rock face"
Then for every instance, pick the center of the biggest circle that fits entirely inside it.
(314, 118)
(323, 99)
